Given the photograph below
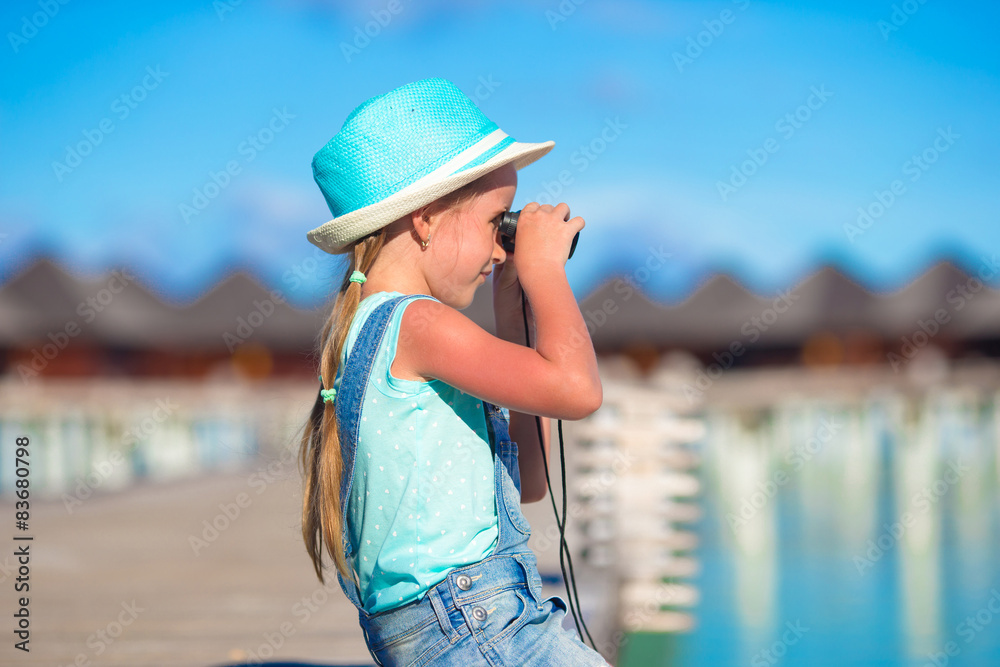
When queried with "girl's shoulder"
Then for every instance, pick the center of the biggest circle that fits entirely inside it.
(368, 305)
(376, 299)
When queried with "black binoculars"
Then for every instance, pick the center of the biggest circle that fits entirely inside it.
(508, 225)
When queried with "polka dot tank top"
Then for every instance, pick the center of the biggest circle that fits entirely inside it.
(422, 500)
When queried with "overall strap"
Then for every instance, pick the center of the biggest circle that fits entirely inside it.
(492, 436)
(350, 400)
(498, 428)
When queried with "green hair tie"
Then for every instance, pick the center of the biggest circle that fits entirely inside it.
(327, 395)
(358, 277)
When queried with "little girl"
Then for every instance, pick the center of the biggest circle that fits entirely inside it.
(413, 479)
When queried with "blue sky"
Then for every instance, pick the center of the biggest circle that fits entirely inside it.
(686, 92)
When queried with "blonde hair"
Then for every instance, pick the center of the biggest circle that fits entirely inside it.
(319, 453)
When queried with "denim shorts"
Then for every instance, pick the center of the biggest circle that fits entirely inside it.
(482, 614)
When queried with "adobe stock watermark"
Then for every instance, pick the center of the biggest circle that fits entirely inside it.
(923, 501)
(88, 310)
(273, 641)
(915, 167)
(102, 470)
(294, 278)
(696, 44)
(431, 481)
(363, 35)
(563, 11)
(766, 490)
(229, 513)
(594, 487)
(223, 7)
(957, 298)
(7, 568)
(30, 25)
(484, 89)
(249, 149)
(753, 329)
(594, 319)
(665, 595)
(100, 640)
(300, 272)
(122, 107)
(656, 259)
(901, 13)
(787, 125)
(246, 326)
(776, 651)
(968, 629)
(581, 158)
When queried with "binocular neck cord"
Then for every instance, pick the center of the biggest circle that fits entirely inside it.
(563, 546)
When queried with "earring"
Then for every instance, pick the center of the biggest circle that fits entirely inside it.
(423, 244)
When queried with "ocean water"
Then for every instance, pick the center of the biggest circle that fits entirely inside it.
(874, 540)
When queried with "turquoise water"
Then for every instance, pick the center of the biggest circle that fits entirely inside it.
(879, 545)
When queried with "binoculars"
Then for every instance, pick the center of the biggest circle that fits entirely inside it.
(508, 225)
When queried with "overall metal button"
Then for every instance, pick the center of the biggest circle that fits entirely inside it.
(479, 613)
(463, 582)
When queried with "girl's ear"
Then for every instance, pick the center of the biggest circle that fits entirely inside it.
(421, 223)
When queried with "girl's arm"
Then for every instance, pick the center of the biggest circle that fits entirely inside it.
(523, 428)
(510, 323)
(524, 432)
(557, 378)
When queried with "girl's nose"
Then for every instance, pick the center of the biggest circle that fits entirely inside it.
(499, 254)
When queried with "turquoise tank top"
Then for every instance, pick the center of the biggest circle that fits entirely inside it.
(422, 499)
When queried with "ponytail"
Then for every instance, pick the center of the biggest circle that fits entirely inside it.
(319, 453)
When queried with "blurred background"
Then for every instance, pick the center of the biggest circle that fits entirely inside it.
(790, 272)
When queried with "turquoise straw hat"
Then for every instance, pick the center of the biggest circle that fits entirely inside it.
(402, 150)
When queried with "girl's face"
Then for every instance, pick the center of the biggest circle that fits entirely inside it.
(467, 243)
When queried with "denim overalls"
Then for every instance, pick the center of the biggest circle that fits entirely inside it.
(488, 613)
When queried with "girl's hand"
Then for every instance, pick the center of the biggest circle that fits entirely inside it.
(544, 234)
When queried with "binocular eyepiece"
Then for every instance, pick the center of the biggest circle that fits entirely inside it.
(508, 225)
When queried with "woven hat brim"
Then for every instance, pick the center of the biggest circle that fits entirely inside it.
(335, 235)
